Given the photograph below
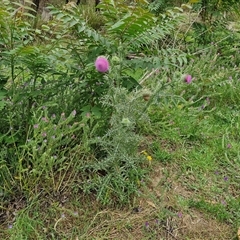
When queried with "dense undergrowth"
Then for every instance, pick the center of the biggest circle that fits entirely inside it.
(68, 129)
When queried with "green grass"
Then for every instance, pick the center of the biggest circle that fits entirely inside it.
(195, 179)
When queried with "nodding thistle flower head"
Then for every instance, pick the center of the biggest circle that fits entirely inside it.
(188, 79)
(102, 64)
(146, 94)
(115, 60)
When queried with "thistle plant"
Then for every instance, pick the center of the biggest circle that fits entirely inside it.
(119, 167)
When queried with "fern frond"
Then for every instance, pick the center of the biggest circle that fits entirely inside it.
(153, 34)
(91, 33)
(156, 6)
(133, 24)
(72, 20)
(166, 57)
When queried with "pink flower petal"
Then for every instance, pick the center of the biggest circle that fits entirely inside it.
(102, 64)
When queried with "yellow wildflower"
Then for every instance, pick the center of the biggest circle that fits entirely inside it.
(144, 152)
(149, 158)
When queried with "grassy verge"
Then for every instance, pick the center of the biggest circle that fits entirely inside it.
(192, 192)
(133, 152)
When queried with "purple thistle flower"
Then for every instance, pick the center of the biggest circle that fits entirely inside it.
(179, 214)
(44, 119)
(146, 224)
(35, 126)
(225, 178)
(44, 134)
(229, 145)
(102, 64)
(188, 79)
(223, 202)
